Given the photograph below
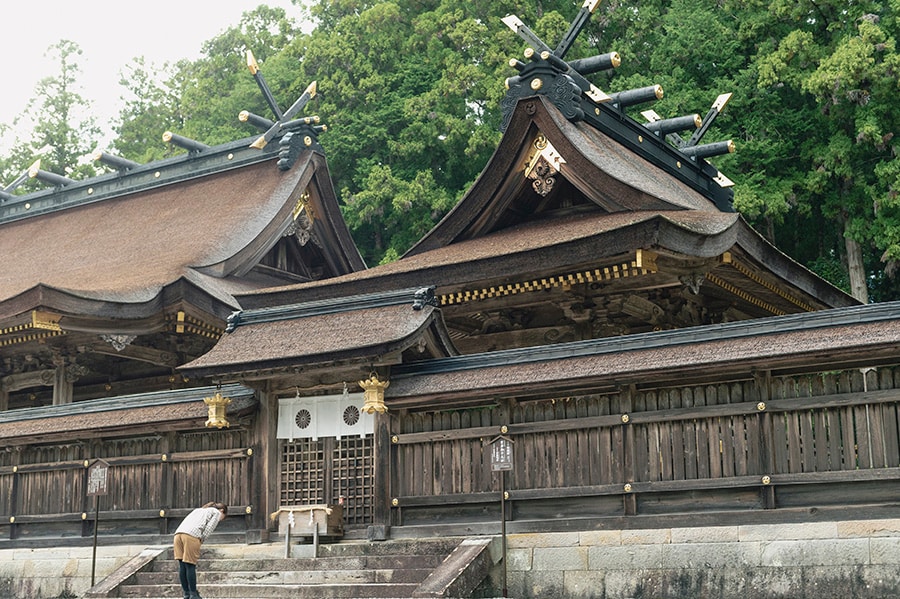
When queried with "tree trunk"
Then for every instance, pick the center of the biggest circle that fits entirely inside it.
(855, 268)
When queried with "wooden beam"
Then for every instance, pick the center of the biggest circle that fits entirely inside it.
(24, 380)
(139, 353)
(63, 388)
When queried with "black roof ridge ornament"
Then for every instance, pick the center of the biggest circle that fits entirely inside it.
(116, 162)
(191, 145)
(284, 120)
(6, 192)
(563, 84)
(36, 172)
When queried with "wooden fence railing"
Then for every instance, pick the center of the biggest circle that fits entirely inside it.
(145, 492)
(757, 443)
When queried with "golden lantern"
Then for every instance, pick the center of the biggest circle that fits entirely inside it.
(216, 406)
(374, 394)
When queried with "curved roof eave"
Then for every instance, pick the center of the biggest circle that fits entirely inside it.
(563, 242)
(347, 336)
(607, 173)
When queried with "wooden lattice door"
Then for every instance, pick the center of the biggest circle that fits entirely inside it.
(330, 471)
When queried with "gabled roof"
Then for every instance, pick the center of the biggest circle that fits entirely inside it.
(599, 169)
(351, 332)
(113, 245)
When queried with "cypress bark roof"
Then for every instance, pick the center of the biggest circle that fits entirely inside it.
(118, 253)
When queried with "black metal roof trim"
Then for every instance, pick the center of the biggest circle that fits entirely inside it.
(140, 178)
(733, 330)
(123, 402)
(416, 297)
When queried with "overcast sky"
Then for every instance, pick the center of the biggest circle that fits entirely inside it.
(111, 33)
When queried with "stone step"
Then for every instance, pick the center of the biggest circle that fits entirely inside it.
(298, 576)
(245, 591)
(210, 564)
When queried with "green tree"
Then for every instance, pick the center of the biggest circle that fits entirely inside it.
(64, 131)
(843, 58)
(150, 107)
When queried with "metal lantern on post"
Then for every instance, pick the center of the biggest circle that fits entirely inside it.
(374, 394)
(217, 405)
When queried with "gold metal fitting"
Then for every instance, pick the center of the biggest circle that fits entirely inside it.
(307, 140)
(248, 509)
(86, 463)
(536, 83)
(529, 52)
(15, 469)
(164, 457)
(84, 515)
(761, 406)
(162, 513)
(12, 519)
(625, 418)
(395, 502)
(504, 429)
(373, 391)
(395, 439)
(627, 487)
(505, 495)
(249, 451)
(766, 480)
(217, 410)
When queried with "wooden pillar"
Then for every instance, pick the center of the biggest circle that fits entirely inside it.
(381, 513)
(63, 388)
(264, 473)
(762, 382)
(628, 466)
(4, 398)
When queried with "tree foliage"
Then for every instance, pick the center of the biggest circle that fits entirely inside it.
(411, 94)
(63, 131)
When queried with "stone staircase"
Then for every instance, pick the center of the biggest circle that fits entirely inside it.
(391, 569)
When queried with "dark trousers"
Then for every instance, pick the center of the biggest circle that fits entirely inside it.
(187, 575)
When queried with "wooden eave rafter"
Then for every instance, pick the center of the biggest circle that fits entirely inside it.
(638, 263)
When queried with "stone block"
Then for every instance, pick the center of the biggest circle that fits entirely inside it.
(869, 528)
(544, 584)
(788, 532)
(647, 536)
(705, 534)
(704, 556)
(625, 557)
(831, 552)
(553, 539)
(585, 584)
(519, 559)
(559, 559)
(600, 537)
(628, 584)
(884, 550)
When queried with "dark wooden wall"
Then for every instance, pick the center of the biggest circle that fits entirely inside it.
(153, 481)
(769, 443)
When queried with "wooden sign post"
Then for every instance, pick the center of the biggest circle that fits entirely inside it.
(501, 461)
(97, 479)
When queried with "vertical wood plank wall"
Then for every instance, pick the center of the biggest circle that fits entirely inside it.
(151, 479)
(758, 443)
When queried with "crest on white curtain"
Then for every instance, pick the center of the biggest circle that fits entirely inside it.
(323, 416)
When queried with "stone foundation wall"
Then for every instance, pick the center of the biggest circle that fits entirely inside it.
(63, 572)
(839, 560)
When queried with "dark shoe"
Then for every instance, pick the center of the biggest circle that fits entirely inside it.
(195, 595)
